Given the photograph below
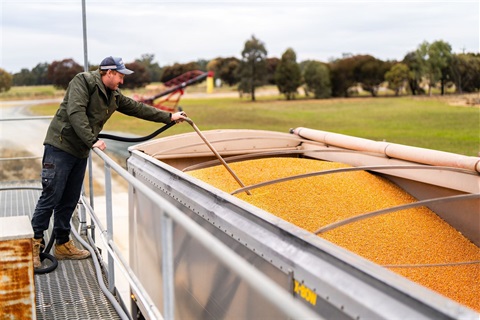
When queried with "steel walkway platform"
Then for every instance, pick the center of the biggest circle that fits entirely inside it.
(71, 291)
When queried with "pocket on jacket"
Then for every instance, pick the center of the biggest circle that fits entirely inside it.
(63, 132)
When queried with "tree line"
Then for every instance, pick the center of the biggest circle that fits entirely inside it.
(431, 65)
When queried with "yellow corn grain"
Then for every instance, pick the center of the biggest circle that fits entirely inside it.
(413, 236)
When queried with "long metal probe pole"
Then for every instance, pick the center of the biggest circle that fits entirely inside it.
(84, 24)
(219, 157)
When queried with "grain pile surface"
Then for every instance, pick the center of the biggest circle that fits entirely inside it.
(413, 236)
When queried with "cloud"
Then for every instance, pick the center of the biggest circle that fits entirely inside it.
(36, 31)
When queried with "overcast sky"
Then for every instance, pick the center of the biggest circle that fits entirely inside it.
(34, 31)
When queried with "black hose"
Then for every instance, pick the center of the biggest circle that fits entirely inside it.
(45, 255)
(137, 139)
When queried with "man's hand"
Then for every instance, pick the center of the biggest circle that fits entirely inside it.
(179, 116)
(100, 144)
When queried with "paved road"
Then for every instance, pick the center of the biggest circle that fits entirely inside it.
(26, 134)
(29, 134)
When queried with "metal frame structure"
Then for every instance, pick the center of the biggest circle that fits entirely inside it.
(170, 216)
(168, 100)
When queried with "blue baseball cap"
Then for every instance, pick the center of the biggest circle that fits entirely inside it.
(114, 63)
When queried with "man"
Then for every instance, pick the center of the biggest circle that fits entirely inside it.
(91, 98)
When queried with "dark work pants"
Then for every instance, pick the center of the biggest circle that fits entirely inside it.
(62, 179)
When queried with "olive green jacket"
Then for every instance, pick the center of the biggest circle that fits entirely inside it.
(85, 109)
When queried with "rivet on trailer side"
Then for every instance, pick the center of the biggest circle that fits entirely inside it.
(330, 280)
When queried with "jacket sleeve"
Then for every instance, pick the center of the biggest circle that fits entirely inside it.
(140, 110)
(78, 98)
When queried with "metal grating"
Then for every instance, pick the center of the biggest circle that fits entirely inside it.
(18, 202)
(69, 292)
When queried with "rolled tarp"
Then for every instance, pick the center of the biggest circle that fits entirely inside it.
(391, 150)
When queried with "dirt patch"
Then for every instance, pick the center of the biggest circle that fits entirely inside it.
(19, 165)
(457, 100)
(466, 100)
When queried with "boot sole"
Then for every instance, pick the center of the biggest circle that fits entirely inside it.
(62, 257)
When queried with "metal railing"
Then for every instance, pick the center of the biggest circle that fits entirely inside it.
(258, 281)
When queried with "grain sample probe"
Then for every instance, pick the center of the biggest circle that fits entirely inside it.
(415, 243)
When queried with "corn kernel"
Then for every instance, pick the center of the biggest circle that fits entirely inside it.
(412, 236)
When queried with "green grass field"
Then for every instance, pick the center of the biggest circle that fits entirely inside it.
(31, 92)
(421, 122)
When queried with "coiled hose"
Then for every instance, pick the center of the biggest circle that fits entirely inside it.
(46, 255)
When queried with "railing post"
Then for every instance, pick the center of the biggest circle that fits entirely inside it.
(82, 217)
(90, 188)
(109, 213)
(167, 268)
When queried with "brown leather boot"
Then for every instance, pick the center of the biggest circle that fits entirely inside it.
(37, 245)
(69, 251)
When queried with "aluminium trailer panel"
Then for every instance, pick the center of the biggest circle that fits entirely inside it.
(204, 288)
(334, 282)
